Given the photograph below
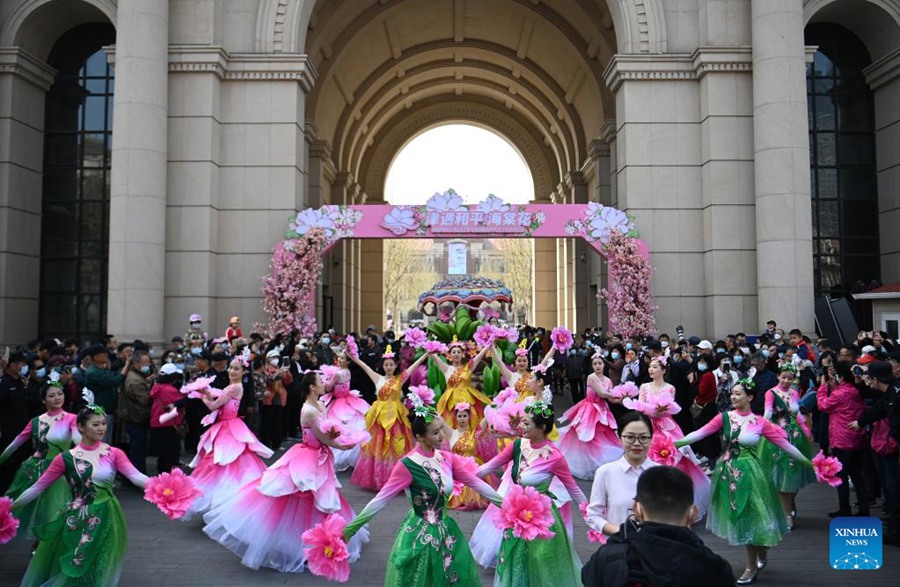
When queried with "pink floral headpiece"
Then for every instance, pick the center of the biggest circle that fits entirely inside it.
(662, 360)
(521, 350)
(243, 359)
(388, 353)
(462, 407)
(598, 354)
(456, 342)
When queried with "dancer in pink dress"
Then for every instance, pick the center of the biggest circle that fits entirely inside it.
(346, 405)
(590, 438)
(228, 454)
(659, 392)
(263, 522)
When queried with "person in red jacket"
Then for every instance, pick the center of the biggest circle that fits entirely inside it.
(164, 437)
(234, 329)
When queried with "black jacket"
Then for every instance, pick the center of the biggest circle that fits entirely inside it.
(887, 405)
(655, 554)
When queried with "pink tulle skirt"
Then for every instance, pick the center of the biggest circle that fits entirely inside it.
(228, 457)
(263, 522)
(589, 440)
(689, 462)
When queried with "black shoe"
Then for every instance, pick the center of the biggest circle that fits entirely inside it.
(840, 514)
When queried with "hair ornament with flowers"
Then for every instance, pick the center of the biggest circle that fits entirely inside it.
(521, 350)
(598, 354)
(420, 410)
(388, 352)
(543, 406)
(88, 396)
(662, 360)
(542, 367)
(243, 358)
(789, 367)
(747, 383)
(54, 381)
(462, 407)
(456, 342)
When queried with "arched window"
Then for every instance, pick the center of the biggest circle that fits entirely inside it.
(75, 209)
(842, 162)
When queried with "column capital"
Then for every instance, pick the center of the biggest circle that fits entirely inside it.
(883, 71)
(17, 61)
(645, 67)
(722, 59)
(608, 132)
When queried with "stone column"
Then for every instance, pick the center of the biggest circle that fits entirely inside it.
(781, 151)
(137, 218)
(24, 81)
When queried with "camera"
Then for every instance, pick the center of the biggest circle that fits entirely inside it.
(726, 366)
(285, 362)
(679, 330)
(858, 371)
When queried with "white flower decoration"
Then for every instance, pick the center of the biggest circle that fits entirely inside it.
(492, 204)
(399, 220)
(308, 219)
(608, 219)
(449, 201)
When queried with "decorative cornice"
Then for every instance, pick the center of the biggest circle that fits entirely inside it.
(883, 71)
(608, 132)
(243, 66)
(16, 61)
(677, 66)
(810, 51)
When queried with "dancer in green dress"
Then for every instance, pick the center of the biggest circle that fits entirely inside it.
(536, 462)
(50, 434)
(744, 508)
(430, 550)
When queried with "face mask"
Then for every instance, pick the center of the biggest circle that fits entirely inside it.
(571, 351)
(765, 353)
(702, 366)
(74, 370)
(628, 346)
(605, 353)
(180, 366)
(745, 350)
(196, 350)
(780, 355)
(41, 373)
(720, 351)
(23, 371)
(326, 340)
(738, 360)
(777, 336)
(615, 356)
(195, 325)
(273, 362)
(664, 344)
(145, 369)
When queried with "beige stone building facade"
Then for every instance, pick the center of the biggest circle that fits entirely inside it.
(151, 151)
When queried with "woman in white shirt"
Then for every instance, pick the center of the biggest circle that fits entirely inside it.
(615, 483)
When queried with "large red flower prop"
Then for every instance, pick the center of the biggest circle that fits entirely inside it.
(173, 493)
(527, 513)
(827, 469)
(325, 550)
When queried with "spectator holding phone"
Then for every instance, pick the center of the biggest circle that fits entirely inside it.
(274, 399)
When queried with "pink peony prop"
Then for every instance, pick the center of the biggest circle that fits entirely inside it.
(193, 389)
(173, 493)
(506, 395)
(526, 512)
(325, 550)
(484, 335)
(627, 389)
(328, 371)
(662, 451)
(510, 334)
(434, 346)
(506, 417)
(352, 348)
(9, 524)
(596, 537)
(425, 393)
(649, 407)
(562, 339)
(415, 337)
(827, 469)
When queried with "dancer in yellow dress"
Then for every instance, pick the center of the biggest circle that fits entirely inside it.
(519, 378)
(459, 383)
(463, 441)
(387, 422)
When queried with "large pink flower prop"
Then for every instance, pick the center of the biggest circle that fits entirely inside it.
(415, 337)
(484, 335)
(425, 393)
(492, 204)
(827, 469)
(651, 406)
(596, 537)
(488, 312)
(562, 339)
(505, 417)
(173, 493)
(400, 220)
(325, 550)
(510, 334)
(663, 452)
(352, 347)
(624, 390)
(312, 218)
(434, 346)
(449, 201)
(193, 389)
(9, 524)
(527, 513)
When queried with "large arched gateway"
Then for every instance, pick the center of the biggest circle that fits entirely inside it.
(222, 119)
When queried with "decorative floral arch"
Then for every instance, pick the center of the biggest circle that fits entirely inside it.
(289, 290)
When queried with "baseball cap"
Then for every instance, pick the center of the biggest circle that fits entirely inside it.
(196, 318)
(169, 369)
(705, 344)
(694, 340)
(272, 353)
(866, 359)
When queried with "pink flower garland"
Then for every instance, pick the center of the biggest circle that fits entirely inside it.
(289, 292)
(628, 297)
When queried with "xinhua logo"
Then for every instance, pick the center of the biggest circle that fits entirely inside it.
(856, 544)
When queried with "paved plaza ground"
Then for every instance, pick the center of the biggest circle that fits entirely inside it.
(164, 553)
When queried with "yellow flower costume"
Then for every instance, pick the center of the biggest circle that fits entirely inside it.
(459, 389)
(387, 422)
(468, 499)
